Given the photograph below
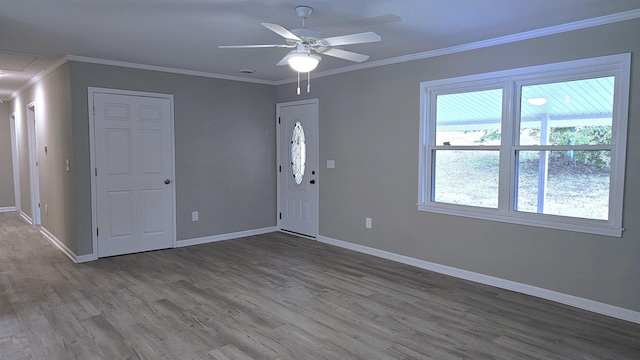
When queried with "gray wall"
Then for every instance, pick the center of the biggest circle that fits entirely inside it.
(224, 146)
(7, 196)
(368, 124)
(53, 114)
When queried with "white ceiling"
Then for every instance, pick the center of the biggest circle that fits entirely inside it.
(185, 34)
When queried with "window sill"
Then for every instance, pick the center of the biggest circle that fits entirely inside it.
(596, 227)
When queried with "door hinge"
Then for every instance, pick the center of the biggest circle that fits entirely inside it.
(280, 168)
(97, 232)
(94, 111)
(278, 119)
(280, 216)
(96, 171)
(38, 205)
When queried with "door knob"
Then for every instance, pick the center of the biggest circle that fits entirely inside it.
(312, 182)
(167, 181)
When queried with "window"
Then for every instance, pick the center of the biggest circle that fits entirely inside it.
(542, 146)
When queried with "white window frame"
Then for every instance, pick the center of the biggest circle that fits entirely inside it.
(511, 81)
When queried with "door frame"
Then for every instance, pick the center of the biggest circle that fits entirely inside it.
(281, 161)
(34, 176)
(15, 161)
(91, 91)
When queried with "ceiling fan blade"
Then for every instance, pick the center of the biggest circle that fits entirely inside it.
(347, 55)
(254, 46)
(365, 37)
(282, 31)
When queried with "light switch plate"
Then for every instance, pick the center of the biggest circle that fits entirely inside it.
(331, 164)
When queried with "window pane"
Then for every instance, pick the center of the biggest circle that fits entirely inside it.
(567, 113)
(574, 183)
(468, 177)
(471, 118)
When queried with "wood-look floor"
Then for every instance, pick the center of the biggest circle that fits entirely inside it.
(274, 296)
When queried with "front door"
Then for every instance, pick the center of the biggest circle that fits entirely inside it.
(134, 173)
(298, 166)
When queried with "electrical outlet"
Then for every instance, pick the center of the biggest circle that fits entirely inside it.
(194, 216)
(367, 223)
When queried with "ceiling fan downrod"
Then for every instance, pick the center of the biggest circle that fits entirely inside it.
(304, 12)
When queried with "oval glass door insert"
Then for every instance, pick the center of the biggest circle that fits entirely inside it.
(298, 153)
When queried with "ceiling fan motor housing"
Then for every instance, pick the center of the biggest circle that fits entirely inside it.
(307, 35)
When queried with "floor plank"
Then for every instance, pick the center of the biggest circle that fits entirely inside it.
(274, 296)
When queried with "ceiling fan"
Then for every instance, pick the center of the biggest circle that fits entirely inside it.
(308, 44)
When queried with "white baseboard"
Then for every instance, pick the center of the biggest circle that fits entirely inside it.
(203, 240)
(65, 250)
(85, 258)
(26, 217)
(222, 237)
(578, 302)
(59, 244)
(7, 208)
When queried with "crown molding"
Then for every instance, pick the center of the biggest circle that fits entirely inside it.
(552, 30)
(41, 75)
(166, 69)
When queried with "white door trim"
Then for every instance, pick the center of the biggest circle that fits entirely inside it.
(94, 196)
(14, 159)
(280, 163)
(34, 177)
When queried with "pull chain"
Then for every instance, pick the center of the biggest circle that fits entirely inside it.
(308, 83)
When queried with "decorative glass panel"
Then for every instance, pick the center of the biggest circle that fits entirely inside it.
(298, 153)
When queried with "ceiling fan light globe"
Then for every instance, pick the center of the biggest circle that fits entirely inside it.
(304, 62)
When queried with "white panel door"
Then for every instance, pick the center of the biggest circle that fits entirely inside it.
(134, 171)
(34, 164)
(298, 159)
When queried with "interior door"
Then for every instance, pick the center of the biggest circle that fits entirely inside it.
(298, 159)
(34, 181)
(134, 173)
